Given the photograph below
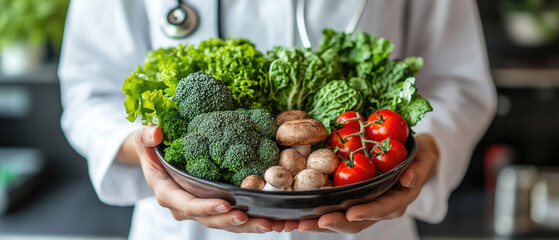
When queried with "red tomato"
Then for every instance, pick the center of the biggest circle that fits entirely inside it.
(388, 155)
(351, 143)
(353, 123)
(387, 124)
(360, 169)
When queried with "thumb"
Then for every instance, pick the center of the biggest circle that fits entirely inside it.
(150, 136)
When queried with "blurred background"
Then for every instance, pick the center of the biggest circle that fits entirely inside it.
(511, 189)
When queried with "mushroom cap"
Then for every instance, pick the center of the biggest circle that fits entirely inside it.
(308, 179)
(253, 182)
(291, 115)
(278, 177)
(323, 160)
(300, 132)
(292, 161)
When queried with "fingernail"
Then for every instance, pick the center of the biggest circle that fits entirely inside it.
(238, 221)
(357, 218)
(263, 229)
(411, 182)
(221, 209)
(306, 229)
(330, 225)
(151, 133)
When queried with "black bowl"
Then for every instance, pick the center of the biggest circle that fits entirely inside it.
(293, 205)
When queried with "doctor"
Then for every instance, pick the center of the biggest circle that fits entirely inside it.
(106, 39)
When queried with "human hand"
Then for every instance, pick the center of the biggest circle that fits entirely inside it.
(390, 205)
(138, 148)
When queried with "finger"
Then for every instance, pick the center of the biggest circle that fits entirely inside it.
(337, 222)
(308, 225)
(424, 165)
(291, 225)
(228, 220)
(278, 226)
(253, 225)
(391, 205)
(149, 136)
(170, 195)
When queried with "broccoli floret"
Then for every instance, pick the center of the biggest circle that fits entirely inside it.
(195, 146)
(203, 168)
(174, 153)
(268, 152)
(263, 120)
(201, 93)
(238, 156)
(228, 126)
(233, 142)
(217, 151)
(174, 126)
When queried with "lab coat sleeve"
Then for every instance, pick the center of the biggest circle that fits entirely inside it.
(456, 81)
(104, 41)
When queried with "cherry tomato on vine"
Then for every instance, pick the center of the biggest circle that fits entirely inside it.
(387, 124)
(350, 144)
(388, 155)
(353, 123)
(358, 169)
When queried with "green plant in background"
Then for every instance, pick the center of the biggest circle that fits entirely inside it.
(544, 15)
(32, 22)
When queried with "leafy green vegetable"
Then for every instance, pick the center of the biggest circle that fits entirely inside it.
(383, 83)
(295, 75)
(335, 98)
(241, 67)
(237, 63)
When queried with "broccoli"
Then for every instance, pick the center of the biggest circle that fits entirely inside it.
(263, 120)
(203, 168)
(201, 93)
(217, 143)
(174, 153)
(268, 155)
(238, 156)
(268, 152)
(217, 151)
(195, 146)
(174, 126)
(233, 143)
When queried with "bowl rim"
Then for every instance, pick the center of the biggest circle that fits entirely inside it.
(238, 190)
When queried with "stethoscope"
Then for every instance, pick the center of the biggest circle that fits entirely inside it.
(182, 21)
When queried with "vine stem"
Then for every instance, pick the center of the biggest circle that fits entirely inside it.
(361, 134)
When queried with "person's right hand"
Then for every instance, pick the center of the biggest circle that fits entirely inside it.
(213, 213)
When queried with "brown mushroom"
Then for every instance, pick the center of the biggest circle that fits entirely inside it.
(292, 160)
(291, 115)
(300, 132)
(253, 182)
(304, 150)
(323, 160)
(277, 178)
(308, 179)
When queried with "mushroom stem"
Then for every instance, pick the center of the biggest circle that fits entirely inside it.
(304, 150)
(269, 187)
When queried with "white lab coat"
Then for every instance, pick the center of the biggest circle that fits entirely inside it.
(106, 39)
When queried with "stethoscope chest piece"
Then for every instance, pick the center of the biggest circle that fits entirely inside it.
(179, 22)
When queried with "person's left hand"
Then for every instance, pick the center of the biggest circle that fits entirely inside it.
(390, 205)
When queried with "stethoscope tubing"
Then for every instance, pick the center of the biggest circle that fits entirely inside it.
(302, 26)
